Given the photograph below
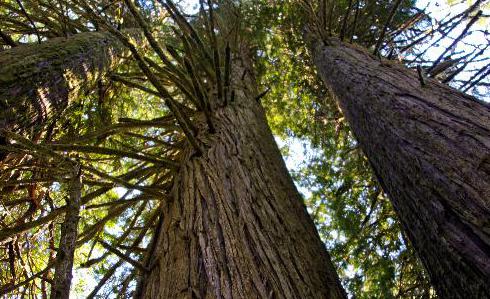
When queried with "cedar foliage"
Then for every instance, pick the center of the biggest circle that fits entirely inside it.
(126, 133)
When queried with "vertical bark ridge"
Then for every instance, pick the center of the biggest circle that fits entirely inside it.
(430, 149)
(236, 226)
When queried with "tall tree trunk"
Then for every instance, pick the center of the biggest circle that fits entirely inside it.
(37, 82)
(60, 288)
(430, 149)
(234, 225)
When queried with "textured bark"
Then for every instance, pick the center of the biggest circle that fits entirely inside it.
(66, 249)
(430, 148)
(38, 82)
(236, 226)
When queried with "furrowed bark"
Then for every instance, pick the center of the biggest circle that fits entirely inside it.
(37, 82)
(66, 249)
(430, 149)
(235, 226)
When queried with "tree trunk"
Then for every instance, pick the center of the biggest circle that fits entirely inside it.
(235, 226)
(430, 149)
(66, 249)
(37, 82)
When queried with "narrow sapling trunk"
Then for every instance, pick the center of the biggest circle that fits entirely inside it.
(235, 226)
(430, 149)
(66, 249)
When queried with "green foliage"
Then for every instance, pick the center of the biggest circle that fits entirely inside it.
(352, 214)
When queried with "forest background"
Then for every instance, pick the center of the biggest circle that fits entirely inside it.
(354, 217)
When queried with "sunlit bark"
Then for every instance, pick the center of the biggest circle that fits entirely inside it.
(37, 82)
(430, 149)
(235, 226)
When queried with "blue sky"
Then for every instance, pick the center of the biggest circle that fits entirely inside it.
(84, 281)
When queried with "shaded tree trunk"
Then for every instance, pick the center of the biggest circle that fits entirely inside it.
(66, 249)
(37, 82)
(235, 226)
(430, 149)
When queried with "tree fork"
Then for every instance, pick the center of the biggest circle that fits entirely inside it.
(430, 149)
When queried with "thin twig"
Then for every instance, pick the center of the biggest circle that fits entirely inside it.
(30, 20)
(385, 27)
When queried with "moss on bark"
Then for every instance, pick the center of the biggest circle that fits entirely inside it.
(37, 82)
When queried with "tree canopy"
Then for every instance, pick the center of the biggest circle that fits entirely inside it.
(124, 131)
